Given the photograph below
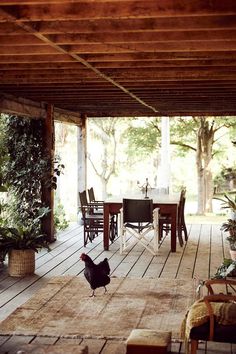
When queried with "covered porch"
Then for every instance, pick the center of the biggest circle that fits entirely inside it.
(198, 258)
(68, 60)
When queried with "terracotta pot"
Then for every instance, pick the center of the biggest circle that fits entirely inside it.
(21, 263)
(233, 254)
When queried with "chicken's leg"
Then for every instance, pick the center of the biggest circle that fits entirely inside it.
(93, 294)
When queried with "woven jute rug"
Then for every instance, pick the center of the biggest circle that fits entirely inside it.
(63, 308)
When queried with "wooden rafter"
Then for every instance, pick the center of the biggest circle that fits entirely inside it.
(79, 59)
(121, 57)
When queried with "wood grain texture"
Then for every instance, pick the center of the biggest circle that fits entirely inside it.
(189, 45)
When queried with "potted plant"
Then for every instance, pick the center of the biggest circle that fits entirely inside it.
(226, 269)
(230, 226)
(229, 202)
(20, 244)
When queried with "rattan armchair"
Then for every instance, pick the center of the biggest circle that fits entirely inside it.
(220, 323)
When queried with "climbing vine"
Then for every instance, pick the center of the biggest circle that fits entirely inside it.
(25, 171)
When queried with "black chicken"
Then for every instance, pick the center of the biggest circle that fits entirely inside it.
(96, 274)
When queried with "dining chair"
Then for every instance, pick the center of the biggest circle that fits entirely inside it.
(92, 219)
(113, 228)
(213, 317)
(98, 204)
(139, 223)
(165, 221)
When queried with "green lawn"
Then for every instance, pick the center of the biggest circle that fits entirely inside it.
(205, 219)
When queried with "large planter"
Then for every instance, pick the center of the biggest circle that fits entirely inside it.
(21, 263)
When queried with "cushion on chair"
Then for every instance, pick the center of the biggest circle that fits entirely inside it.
(196, 323)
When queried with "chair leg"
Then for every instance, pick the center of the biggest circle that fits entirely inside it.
(179, 234)
(122, 241)
(160, 233)
(113, 227)
(85, 238)
(185, 232)
(194, 346)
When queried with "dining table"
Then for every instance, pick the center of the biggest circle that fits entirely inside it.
(167, 204)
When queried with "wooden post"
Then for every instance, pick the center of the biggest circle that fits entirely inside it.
(81, 153)
(164, 171)
(47, 192)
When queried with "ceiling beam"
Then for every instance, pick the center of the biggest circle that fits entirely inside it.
(79, 59)
(123, 9)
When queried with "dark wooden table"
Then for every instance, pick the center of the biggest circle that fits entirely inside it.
(168, 204)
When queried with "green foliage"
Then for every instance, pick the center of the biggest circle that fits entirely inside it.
(230, 226)
(225, 180)
(3, 159)
(25, 171)
(104, 130)
(58, 170)
(60, 221)
(143, 139)
(226, 269)
(228, 202)
(184, 129)
(21, 238)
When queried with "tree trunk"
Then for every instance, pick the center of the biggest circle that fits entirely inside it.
(104, 189)
(108, 138)
(205, 139)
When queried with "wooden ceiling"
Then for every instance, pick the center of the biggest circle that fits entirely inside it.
(121, 57)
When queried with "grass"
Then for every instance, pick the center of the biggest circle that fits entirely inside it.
(205, 219)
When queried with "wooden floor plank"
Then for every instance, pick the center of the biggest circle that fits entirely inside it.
(217, 250)
(233, 349)
(114, 347)
(201, 269)
(200, 256)
(95, 345)
(14, 342)
(72, 341)
(218, 348)
(187, 266)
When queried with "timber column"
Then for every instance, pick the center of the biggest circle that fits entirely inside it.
(81, 153)
(47, 191)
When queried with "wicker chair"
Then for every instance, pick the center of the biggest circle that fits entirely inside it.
(212, 330)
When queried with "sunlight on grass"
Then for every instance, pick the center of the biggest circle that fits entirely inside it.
(205, 219)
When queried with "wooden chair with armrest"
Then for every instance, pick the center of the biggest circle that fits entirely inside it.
(113, 232)
(165, 221)
(92, 219)
(92, 200)
(220, 320)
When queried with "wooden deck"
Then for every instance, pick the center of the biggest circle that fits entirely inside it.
(199, 257)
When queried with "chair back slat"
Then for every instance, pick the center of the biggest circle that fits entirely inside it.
(83, 199)
(137, 210)
(181, 205)
(91, 195)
